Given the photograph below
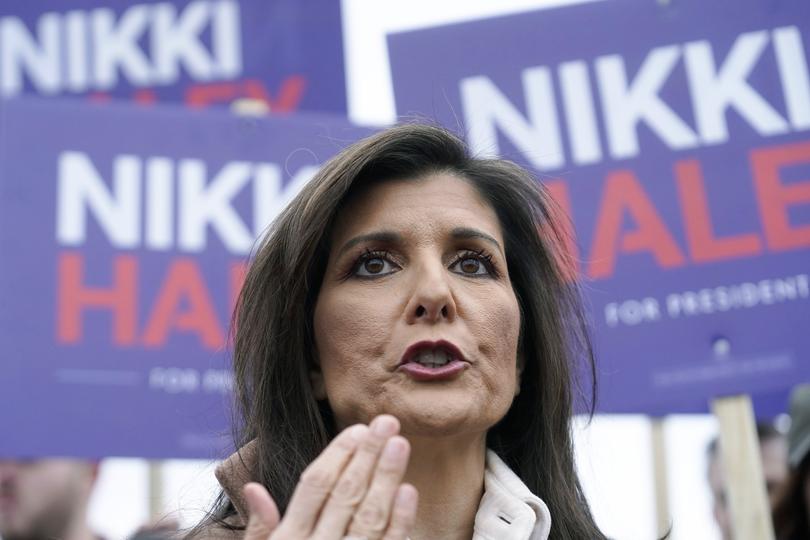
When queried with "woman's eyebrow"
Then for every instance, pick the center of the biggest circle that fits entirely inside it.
(465, 233)
(383, 237)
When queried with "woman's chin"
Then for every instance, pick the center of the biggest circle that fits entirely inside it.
(445, 420)
(425, 412)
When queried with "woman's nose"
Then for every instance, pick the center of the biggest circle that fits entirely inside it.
(432, 299)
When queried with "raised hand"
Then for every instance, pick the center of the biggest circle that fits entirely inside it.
(353, 489)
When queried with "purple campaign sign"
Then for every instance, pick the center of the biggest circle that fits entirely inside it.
(123, 236)
(677, 137)
(286, 53)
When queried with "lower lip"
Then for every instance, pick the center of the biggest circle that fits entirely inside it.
(425, 373)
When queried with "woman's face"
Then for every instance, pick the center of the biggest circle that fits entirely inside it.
(416, 315)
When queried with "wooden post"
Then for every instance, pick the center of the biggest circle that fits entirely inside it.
(661, 482)
(156, 510)
(739, 450)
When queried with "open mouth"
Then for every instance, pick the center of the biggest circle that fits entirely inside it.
(432, 358)
(432, 354)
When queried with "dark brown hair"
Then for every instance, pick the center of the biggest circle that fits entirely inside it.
(790, 519)
(273, 342)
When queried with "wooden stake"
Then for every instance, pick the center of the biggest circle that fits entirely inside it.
(739, 450)
(661, 482)
(156, 510)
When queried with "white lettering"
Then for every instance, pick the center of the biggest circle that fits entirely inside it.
(174, 380)
(227, 39)
(583, 132)
(624, 106)
(201, 206)
(117, 46)
(486, 110)
(178, 40)
(632, 312)
(77, 76)
(145, 44)
(159, 203)
(792, 64)
(738, 296)
(20, 52)
(713, 91)
(269, 198)
(81, 190)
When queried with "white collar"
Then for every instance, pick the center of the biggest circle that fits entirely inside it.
(508, 510)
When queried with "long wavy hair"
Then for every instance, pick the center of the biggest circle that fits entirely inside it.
(273, 340)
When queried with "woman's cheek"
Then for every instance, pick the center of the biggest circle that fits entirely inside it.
(354, 323)
(351, 337)
(501, 326)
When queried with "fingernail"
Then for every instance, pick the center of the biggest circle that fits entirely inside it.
(394, 448)
(384, 426)
(357, 432)
(406, 497)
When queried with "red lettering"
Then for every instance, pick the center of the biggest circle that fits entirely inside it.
(145, 96)
(703, 245)
(183, 285)
(623, 192)
(288, 99)
(238, 273)
(289, 95)
(775, 198)
(73, 298)
(561, 214)
(203, 95)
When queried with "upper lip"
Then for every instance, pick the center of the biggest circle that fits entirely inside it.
(420, 346)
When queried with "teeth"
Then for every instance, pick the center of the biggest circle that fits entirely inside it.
(433, 359)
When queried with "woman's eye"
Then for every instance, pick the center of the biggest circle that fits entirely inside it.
(470, 266)
(375, 266)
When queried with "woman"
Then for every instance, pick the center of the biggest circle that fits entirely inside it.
(414, 288)
(791, 514)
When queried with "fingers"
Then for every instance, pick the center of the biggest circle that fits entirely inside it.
(350, 489)
(351, 485)
(371, 518)
(264, 515)
(403, 514)
(317, 481)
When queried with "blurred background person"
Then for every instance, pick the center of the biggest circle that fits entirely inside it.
(790, 517)
(46, 498)
(774, 452)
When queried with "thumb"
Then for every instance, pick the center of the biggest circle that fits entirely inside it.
(264, 515)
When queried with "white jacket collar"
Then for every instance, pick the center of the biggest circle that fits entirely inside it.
(508, 510)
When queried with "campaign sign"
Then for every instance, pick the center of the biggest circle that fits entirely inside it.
(677, 137)
(124, 237)
(287, 54)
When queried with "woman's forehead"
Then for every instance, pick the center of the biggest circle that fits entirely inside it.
(428, 205)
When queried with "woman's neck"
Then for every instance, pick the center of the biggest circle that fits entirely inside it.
(449, 474)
